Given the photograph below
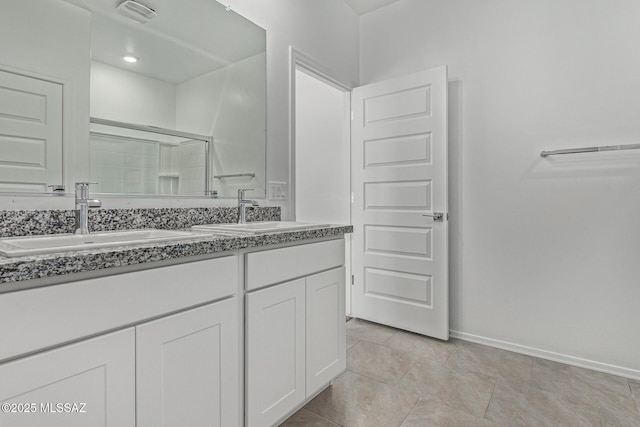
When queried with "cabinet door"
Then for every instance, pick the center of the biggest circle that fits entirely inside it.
(187, 368)
(89, 383)
(275, 352)
(326, 327)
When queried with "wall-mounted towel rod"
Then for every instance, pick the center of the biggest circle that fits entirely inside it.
(235, 175)
(591, 149)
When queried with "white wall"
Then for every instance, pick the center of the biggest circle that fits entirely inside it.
(126, 96)
(190, 166)
(229, 104)
(543, 251)
(128, 165)
(36, 50)
(326, 31)
(323, 157)
(322, 153)
(124, 165)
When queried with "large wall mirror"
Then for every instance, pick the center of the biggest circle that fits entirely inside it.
(177, 98)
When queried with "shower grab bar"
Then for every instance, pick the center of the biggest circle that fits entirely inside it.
(235, 175)
(590, 149)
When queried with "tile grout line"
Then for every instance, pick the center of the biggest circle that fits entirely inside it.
(418, 357)
(633, 396)
(373, 379)
(484, 415)
(355, 345)
(533, 365)
(527, 381)
(395, 331)
(315, 413)
(601, 416)
(381, 383)
(455, 350)
(331, 421)
(410, 411)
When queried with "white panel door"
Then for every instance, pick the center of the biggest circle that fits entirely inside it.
(275, 350)
(399, 180)
(93, 380)
(187, 368)
(326, 328)
(30, 133)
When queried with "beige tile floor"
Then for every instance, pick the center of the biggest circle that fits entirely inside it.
(396, 378)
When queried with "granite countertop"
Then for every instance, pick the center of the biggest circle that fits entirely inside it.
(26, 268)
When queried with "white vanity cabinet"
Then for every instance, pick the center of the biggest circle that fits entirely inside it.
(275, 352)
(187, 368)
(89, 383)
(173, 359)
(326, 351)
(295, 329)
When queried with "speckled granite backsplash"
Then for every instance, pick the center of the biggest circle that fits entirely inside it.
(36, 222)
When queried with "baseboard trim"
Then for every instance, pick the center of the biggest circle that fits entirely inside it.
(549, 355)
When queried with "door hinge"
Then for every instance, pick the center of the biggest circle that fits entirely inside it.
(351, 114)
(353, 197)
(353, 280)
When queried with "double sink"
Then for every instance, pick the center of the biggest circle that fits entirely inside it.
(23, 246)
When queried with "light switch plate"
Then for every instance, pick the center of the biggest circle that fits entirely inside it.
(278, 190)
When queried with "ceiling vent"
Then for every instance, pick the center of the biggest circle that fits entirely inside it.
(136, 11)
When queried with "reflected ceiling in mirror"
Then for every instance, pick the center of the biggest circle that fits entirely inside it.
(200, 69)
(186, 39)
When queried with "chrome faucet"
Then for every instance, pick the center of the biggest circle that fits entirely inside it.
(242, 205)
(83, 203)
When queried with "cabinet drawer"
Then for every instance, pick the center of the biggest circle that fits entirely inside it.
(43, 317)
(279, 265)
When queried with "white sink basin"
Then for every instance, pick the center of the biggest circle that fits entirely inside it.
(258, 227)
(21, 246)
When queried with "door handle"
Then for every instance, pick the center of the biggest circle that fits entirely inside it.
(437, 216)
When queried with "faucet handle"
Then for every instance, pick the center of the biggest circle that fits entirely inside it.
(82, 189)
(83, 184)
(241, 192)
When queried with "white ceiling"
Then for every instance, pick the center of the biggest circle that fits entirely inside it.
(187, 39)
(173, 47)
(364, 6)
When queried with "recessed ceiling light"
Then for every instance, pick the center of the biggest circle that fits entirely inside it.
(130, 58)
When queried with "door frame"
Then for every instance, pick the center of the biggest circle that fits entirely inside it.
(299, 61)
(306, 64)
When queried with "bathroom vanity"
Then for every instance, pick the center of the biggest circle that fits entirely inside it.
(295, 326)
(136, 342)
(223, 330)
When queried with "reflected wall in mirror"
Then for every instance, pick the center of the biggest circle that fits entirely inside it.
(200, 69)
